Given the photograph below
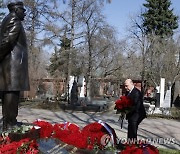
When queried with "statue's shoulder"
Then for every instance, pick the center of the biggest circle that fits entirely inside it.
(10, 18)
(13, 18)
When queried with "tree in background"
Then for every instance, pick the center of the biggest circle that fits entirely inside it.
(59, 60)
(94, 27)
(159, 23)
(1, 12)
(153, 44)
(159, 18)
(38, 16)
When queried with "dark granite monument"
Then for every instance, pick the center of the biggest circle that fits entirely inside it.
(74, 93)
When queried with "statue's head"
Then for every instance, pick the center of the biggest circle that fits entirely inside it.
(18, 8)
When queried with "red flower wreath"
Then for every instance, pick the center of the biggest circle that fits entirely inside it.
(46, 128)
(140, 149)
(69, 133)
(93, 133)
(88, 138)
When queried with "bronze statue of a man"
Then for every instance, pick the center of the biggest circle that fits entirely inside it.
(13, 63)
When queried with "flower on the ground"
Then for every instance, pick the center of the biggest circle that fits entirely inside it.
(46, 128)
(140, 149)
(69, 133)
(23, 146)
(90, 137)
(87, 138)
(95, 132)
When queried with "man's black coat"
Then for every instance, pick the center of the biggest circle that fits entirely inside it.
(137, 113)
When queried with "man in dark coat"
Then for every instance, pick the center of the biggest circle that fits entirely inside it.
(13, 62)
(137, 113)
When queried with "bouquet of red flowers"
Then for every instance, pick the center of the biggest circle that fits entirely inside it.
(123, 106)
(140, 149)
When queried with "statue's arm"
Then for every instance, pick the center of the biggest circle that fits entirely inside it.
(13, 30)
(10, 37)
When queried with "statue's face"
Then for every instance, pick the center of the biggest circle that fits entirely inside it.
(20, 12)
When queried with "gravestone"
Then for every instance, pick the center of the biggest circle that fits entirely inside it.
(79, 102)
(162, 89)
(81, 84)
(70, 84)
(157, 96)
(167, 100)
(74, 93)
(160, 96)
(176, 94)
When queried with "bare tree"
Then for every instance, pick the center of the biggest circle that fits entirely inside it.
(156, 55)
(93, 22)
(141, 45)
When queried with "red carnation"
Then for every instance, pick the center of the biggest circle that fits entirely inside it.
(46, 128)
(123, 104)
